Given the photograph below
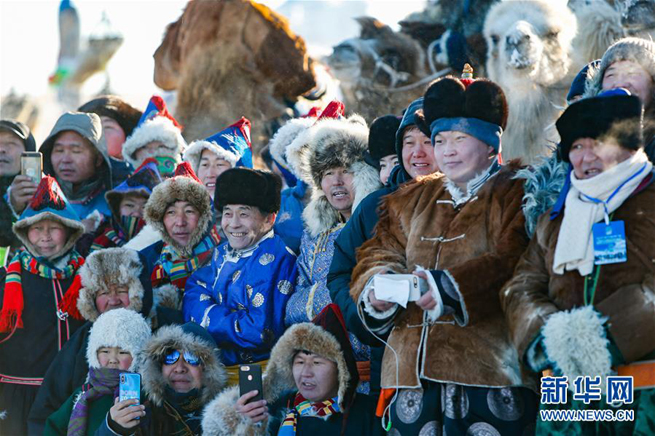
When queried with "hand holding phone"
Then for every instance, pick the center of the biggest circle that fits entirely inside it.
(31, 165)
(250, 379)
(126, 410)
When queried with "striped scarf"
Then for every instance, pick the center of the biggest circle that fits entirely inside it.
(12, 303)
(304, 407)
(172, 269)
(115, 236)
(102, 381)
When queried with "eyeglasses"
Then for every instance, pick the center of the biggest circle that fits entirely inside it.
(174, 355)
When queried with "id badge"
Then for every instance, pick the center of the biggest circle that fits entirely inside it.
(610, 245)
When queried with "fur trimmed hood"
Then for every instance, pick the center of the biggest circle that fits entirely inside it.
(189, 337)
(119, 265)
(285, 136)
(179, 188)
(329, 144)
(122, 328)
(156, 129)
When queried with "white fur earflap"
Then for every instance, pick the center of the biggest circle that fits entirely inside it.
(157, 129)
(122, 328)
(296, 155)
(145, 238)
(577, 343)
(193, 153)
(285, 136)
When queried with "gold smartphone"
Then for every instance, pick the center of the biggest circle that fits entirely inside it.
(31, 165)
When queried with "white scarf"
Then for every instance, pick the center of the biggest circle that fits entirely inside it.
(575, 245)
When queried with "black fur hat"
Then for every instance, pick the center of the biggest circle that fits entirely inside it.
(250, 187)
(115, 108)
(382, 136)
(616, 115)
(451, 98)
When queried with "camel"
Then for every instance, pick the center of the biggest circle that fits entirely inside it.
(529, 56)
(228, 59)
(637, 17)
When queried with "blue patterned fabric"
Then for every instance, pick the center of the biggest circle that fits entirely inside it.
(288, 224)
(312, 294)
(241, 296)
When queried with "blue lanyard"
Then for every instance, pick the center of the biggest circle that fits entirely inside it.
(616, 191)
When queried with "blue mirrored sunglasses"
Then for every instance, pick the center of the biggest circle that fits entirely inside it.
(174, 355)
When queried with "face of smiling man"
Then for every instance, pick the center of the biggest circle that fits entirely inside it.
(245, 225)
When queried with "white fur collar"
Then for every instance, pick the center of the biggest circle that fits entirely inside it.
(473, 186)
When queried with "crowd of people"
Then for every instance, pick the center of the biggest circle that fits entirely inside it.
(392, 278)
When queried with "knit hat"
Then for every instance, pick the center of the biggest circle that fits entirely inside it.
(49, 203)
(336, 143)
(116, 266)
(184, 186)
(382, 136)
(156, 124)
(141, 182)
(21, 130)
(188, 337)
(639, 50)
(614, 112)
(475, 107)
(246, 186)
(578, 84)
(231, 144)
(89, 127)
(122, 328)
(115, 108)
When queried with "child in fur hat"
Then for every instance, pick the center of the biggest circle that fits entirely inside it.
(32, 288)
(340, 178)
(111, 278)
(115, 342)
(127, 202)
(309, 388)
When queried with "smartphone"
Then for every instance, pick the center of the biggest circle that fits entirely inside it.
(129, 387)
(250, 379)
(31, 165)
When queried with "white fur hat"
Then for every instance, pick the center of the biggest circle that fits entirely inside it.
(122, 328)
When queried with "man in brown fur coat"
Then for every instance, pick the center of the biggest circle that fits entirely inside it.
(461, 233)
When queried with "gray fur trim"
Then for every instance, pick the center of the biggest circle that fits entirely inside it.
(193, 153)
(179, 188)
(543, 183)
(319, 215)
(118, 266)
(166, 296)
(576, 342)
(157, 129)
(297, 155)
(21, 227)
(122, 328)
(214, 376)
(285, 136)
(220, 417)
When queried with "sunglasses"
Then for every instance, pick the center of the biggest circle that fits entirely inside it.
(174, 355)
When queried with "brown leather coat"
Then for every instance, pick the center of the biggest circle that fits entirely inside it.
(625, 291)
(478, 243)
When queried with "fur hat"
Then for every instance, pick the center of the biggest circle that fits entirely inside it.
(475, 107)
(249, 187)
(141, 182)
(49, 203)
(122, 328)
(382, 136)
(156, 124)
(335, 143)
(184, 186)
(284, 137)
(231, 144)
(115, 108)
(21, 130)
(188, 337)
(615, 113)
(325, 336)
(578, 85)
(117, 266)
(639, 50)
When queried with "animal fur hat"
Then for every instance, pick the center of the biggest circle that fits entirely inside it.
(49, 203)
(188, 337)
(110, 266)
(126, 115)
(156, 124)
(122, 328)
(184, 186)
(477, 108)
(638, 50)
(382, 136)
(257, 188)
(614, 113)
(333, 143)
(325, 336)
(284, 137)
